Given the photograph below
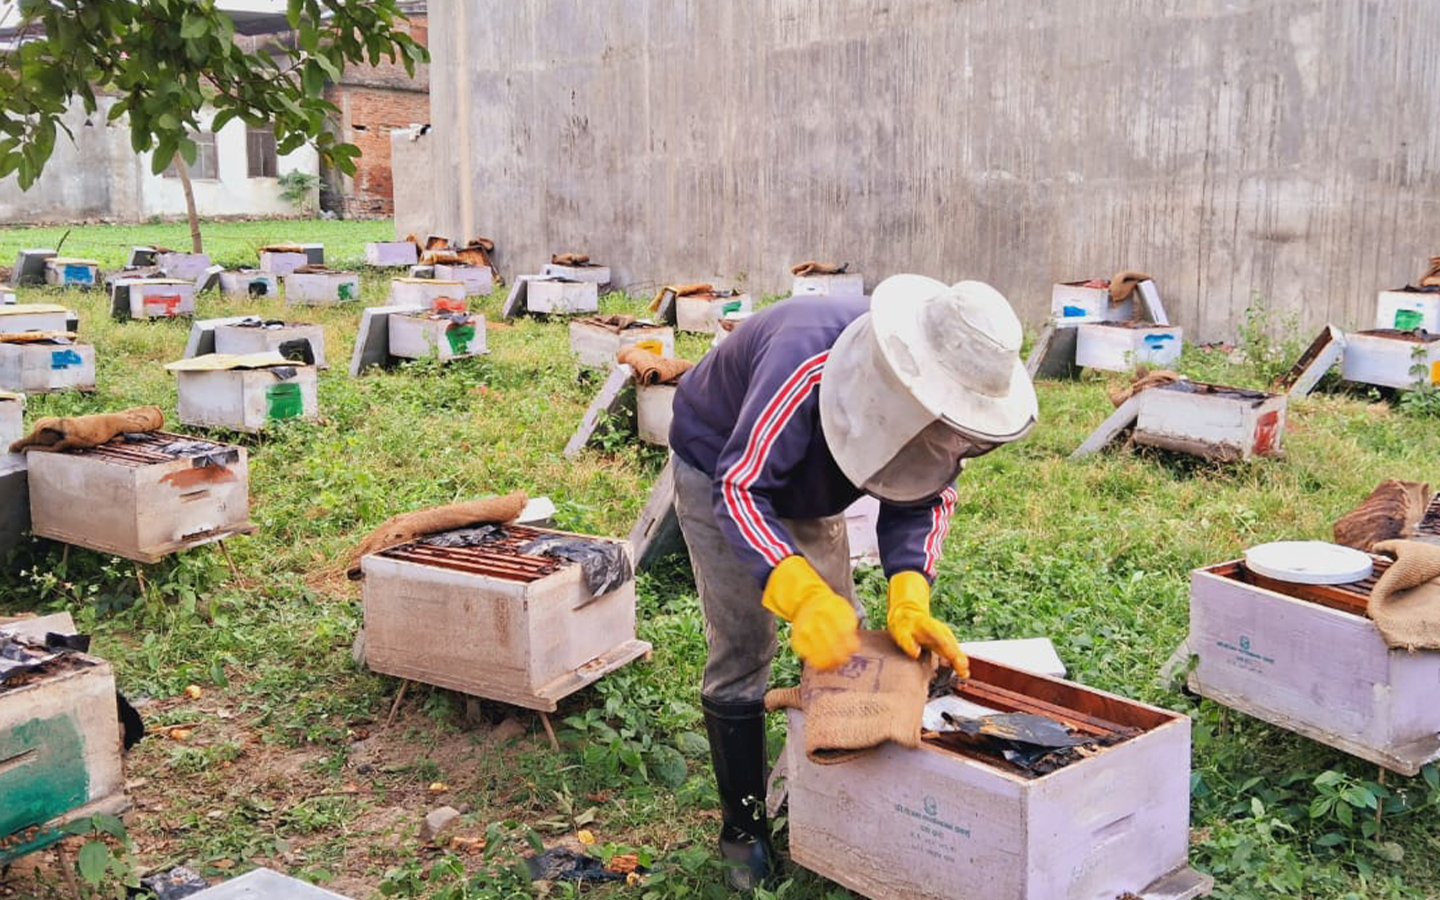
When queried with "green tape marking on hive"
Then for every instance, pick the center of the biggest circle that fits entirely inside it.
(45, 778)
(283, 400)
(1408, 319)
(459, 337)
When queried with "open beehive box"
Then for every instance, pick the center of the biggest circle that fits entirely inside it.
(954, 822)
(1390, 358)
(1121, 346)
(142, 497)
(702, 313)
(445, 336)
(321, 287)
(839, 284)
(478, 280)
(553, 295)
(654, 409)
(596, 344)
(244, 393)
(59, 746)
(249, 283)
(47, 365)
(256, 335)
(1211, 421)
(1307, 658)
(495, 622)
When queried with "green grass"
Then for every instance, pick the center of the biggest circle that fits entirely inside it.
(290, 763)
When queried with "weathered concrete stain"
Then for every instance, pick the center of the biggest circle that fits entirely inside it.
(48, 779)
(1229, 147)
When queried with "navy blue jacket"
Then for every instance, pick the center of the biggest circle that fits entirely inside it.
(748, 415)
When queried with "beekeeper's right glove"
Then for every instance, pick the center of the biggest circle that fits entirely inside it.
(823, 625)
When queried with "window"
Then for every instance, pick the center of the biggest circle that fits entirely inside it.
(207, 165)
(260, 150)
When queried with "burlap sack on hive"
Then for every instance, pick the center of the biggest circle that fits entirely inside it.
(1405, 602)
(1144, 379)
(812, 267)
(878, 696)
(54, 434)
(652, 369)
(406, 527)
(1123, 283)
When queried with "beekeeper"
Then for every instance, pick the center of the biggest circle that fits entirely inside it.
(805, 407)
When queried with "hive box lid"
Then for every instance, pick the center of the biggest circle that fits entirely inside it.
(266, 884)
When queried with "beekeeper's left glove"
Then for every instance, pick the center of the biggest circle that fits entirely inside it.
(913, 628)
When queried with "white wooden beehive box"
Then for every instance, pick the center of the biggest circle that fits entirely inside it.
(161, 298)
(12, 418)
(14, 500)
(391, 253)
(242, 339)
(1073, 303)
(42, 368)
(183, 266)
(65, 271)
(495, 623)
(1121, 346)
(19, 317)
(600, 275)
(59, 753)
(282, 262)
(702, 312)
(933, 823)
(431, 334)
(597, 345)
(551, 296)
(321, 288)
(1211, 421)
(845, 284)
(1406, 310)
(247, 399)
(7, 295)
(654, 408)
(478, 280)
(1386, 358)
(427, 292)
(142, 499)
(1306, 658)
(249, 283)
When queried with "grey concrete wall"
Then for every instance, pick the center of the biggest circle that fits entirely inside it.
(412, 171)
(1230, 147)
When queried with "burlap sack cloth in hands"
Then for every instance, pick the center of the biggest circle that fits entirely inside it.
(679, 290)
(652, 369)
(1144, 378)
(1391, 511)
(570, 259)
(1122, 285)
(878, 696)
(406, 527)
(811, 267)
(1405, 602)
(56, 433)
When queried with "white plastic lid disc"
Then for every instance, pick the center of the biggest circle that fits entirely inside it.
(1309, 562)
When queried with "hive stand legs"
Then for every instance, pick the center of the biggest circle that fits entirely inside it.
(225, 552)
(399, 697)
(549, 731)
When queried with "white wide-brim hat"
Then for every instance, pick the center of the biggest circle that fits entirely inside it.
(926, 352)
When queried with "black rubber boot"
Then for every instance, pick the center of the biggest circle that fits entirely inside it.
(737, 750)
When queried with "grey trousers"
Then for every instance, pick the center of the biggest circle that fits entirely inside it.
(739, 632)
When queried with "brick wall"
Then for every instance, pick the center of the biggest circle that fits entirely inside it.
(374, 100)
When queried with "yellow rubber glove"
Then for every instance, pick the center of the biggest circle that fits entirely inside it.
(913, 628)
(823, 626)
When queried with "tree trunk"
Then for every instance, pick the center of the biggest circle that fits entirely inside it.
(194, 217)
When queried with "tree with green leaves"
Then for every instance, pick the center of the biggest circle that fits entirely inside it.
(167, 60)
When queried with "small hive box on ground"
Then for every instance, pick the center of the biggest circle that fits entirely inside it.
(1121, 346)
(12, 418)
(244, 392)
(495, 622)
(249, 283)
(1219, 423)
(596, 343)
(962, 823)
(160, 298)
(391, 253)
(47, 365)
(1407, 309)
(7, 295)
(600, 275)
(321, 288)
(1078, 302)
(162, 493)
(66, 271)
(1308, 659)
(654, 408)
(256, 335)
(478, 280)
(1390, 358)
(445, 336)
(183, 266)
(282, 259)
(842, 284)
(428, 292)
(59, 750)
(18, 317)
(702, 312)
(558, 296)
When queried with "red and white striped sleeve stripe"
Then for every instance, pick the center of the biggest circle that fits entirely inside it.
(738, 479)
(939, 527)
